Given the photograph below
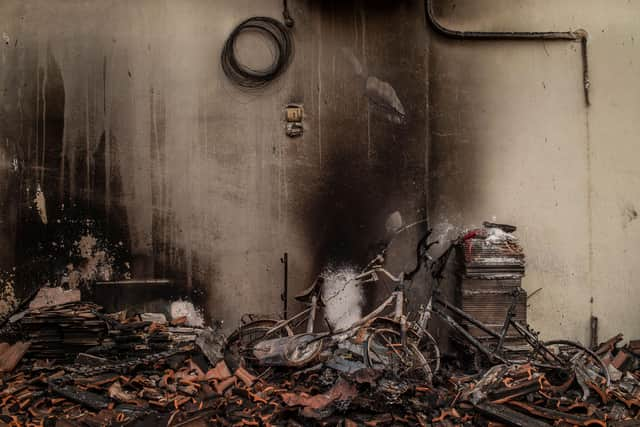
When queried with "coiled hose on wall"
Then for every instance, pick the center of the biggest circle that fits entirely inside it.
(276, 33)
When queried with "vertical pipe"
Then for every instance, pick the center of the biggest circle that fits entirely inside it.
(594, 332)
(312, 314)
(399, 303)
(576, 36)
(285, 288)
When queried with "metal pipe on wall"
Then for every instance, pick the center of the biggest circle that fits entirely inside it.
(575, 36)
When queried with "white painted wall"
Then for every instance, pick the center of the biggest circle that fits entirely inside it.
(513, 141)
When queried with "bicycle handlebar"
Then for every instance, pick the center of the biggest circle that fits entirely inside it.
(378, 269)
(377, 262)
(436, 267)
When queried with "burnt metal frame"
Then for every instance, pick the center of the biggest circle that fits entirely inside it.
(370, 274)
(441, 307)
(538, 347)
(309, 314)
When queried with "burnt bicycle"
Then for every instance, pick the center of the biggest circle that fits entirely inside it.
(554, 354)
(386, 337)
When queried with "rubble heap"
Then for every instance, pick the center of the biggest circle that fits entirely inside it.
(150, 372)
(61, 331)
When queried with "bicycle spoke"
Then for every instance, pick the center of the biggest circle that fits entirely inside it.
(386, 351)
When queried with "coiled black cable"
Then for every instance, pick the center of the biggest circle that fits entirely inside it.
(245, 76)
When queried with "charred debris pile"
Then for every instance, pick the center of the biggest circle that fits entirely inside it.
(70, 363)
(181, 378)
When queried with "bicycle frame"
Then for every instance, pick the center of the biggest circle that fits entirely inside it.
(441, 307)
(311, 312)
(370, 274)
(461, 329)
(291, 350)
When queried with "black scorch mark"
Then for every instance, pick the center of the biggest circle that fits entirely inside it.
(629, 214)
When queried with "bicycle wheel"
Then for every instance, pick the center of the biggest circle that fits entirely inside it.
(384, 351)
(569, 354)
(238, 350)
(428, 346)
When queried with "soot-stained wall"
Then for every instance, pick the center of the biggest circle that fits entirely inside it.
(119, 112)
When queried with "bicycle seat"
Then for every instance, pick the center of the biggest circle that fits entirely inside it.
(314, 289)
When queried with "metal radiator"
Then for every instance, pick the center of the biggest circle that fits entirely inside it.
(494, 265)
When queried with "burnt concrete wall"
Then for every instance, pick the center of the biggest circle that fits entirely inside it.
(513, 141)
(119, 111)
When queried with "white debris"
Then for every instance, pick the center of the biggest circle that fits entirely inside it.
(497, 235)
(186, 309)
(394, 222)
(96, 263)
(154, 317)
(342, 296)
(41, 204)
(614, 373)
(8, 300)
(47, 297)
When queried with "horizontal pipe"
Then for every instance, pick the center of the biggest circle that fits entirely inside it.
(136, 282)
(575, 36)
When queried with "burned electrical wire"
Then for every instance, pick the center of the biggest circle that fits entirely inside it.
(286, 15)
(276, 34)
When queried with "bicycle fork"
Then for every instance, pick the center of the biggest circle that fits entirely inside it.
(424, 315)
(312, 314)
(399, 310)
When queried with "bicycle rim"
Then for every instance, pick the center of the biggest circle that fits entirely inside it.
(384, 350)
(597, 361)
(239, 345)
